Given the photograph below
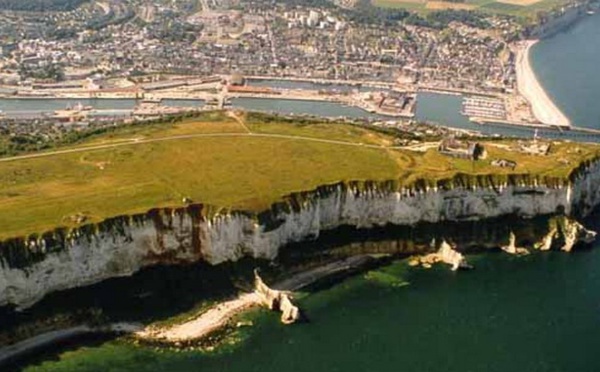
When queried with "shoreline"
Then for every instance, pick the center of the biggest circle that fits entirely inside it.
(219, 315)
(198, 326)
(528, 85)
(27, 347)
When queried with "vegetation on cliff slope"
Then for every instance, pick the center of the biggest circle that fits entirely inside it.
(216, 161)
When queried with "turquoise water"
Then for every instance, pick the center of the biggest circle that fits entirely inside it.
(567, 65)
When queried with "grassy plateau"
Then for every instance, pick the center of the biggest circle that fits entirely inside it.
(229, 161)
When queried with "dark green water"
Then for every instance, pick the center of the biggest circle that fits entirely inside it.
(535, 313)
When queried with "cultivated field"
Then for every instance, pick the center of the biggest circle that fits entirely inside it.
(217, 161)
(440, 5)
(519, 2)
(514, 7)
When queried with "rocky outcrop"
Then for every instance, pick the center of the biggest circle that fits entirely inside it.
(512, 248)
(276, 300)
(34, 266)
(448, 255)
(445, 254)
(567, 232)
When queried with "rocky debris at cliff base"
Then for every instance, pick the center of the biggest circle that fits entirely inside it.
(332, 271)
(512, 248)
(276, 300)
(573, 233)
(564, 233)
(220, 315)
(445, 254)
(448, 255)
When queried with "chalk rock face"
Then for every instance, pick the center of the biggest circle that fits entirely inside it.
(573, 232)
(87, 257)
(546, 241)
(32, 267)
(276, 300)
(289, 312)
(512, 246)
(566, 233)
(451, 257)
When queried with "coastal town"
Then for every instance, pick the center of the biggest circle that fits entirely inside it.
(216, 51)
(297, 185)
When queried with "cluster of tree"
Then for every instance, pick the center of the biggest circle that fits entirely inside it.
(441, 19)
(59, 33)
(40, 5)
(11, 145)
(254, 117)
(53, 71)
(366, 13)
(309, 3)
(172, 31)
(110, 19)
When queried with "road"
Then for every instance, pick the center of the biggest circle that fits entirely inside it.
(137, 141)
(248, 134)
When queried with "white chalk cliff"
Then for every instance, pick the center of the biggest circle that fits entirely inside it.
(32, 267)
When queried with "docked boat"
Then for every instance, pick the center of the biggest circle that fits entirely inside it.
(151, 101)
(73, 113)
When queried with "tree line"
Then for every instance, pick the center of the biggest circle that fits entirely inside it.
(40, 5)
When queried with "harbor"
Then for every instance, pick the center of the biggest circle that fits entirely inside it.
(434, 108)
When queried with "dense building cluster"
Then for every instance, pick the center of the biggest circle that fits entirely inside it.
(121, 39)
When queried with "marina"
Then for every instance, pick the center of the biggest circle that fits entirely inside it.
(440, 109)
(479, 107)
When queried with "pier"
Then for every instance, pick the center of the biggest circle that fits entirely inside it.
(484, 107)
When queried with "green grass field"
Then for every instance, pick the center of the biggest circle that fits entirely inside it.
(236, 170)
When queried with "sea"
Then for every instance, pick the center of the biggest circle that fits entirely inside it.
(535, 313)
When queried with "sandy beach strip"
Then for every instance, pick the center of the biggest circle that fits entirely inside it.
(206, 323)
(196, 327)
(218, 316)
(528, 85)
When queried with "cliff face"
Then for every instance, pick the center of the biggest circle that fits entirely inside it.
(33, 267)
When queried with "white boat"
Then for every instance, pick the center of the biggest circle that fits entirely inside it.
(72, 113)
(79, 107)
